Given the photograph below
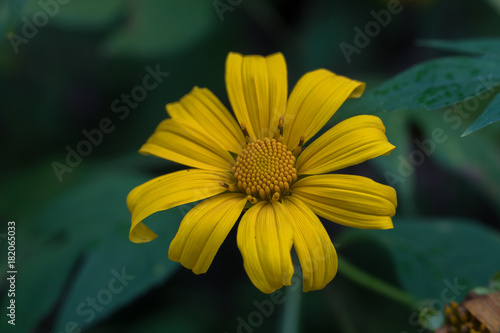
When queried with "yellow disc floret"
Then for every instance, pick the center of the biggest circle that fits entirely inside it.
(265, 170)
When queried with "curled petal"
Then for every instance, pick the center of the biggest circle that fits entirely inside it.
(168, 191)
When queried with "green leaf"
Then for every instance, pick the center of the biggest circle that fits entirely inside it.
(474, 158)
(485, 46)
(44, 274)
(14, 13)
(88, 14)
(395, 172)
(433, 257)
(432, 85)
(79, 15)
(494, 283)
(90, 221)
(490, 115)
(116, 271)
(159, 27)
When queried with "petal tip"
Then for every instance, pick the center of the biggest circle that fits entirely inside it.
(134, 238)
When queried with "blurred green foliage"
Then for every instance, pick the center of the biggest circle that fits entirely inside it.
(62, 76)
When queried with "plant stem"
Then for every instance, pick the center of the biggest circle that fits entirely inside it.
(368, 281)
(290, 318)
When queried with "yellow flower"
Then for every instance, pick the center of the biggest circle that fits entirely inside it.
(256, 164)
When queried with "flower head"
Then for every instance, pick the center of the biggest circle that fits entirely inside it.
(260, 165)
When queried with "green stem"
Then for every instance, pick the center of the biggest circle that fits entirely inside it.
(368, 281)
(291, 311)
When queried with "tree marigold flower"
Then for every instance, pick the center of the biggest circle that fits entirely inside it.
(259, 164)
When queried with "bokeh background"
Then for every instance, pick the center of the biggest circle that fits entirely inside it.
(77, 68)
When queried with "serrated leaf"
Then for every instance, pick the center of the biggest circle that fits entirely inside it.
(436, 256)
(486, 46)
(490, 115)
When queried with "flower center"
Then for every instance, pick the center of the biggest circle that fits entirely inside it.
(265, 170)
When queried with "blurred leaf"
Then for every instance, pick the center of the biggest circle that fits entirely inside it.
(14, 13)
(490, 115)
(436, 256)
(140, 266)
(392, 166)
(90, 221)
(44, 274)
(37, 175)
(89, 14)
(481, 290)
(494, 283)
(162, 27)
(475, 157)
(42, 176)
(432, 85)
(486, 46)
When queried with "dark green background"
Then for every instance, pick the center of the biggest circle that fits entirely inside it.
(73, 234)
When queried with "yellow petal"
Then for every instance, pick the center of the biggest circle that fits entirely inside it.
(314, 248)
(313, 101)
(202, 110)
(265, 240)
(203, 230)
(169, 191)
(350, 142)
(257, 88)
(187, 145)
(353, 201)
